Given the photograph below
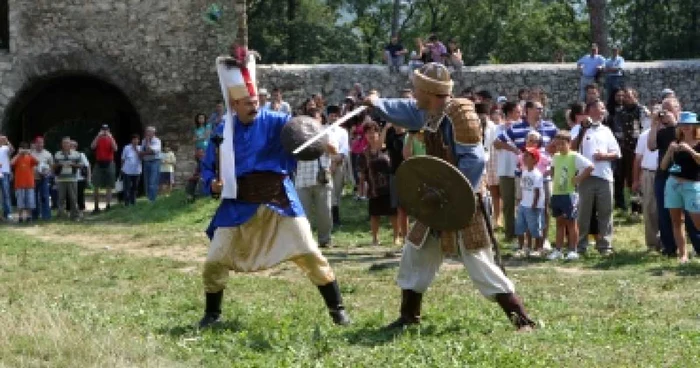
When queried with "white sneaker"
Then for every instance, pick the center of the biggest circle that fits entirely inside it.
(556, 254)
(547, 245)
(572, 256)
(520, 253)
(535, 254)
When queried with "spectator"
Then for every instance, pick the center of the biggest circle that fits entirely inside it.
(592, 93)
(682, 192)
(577, 115)
(104, 174)
(644, 175)
(131, 170)
(589, 66)
(319, 103)
(614, 74)
(338, 166)
(24, 164)
(167, 170)
(505, 168)
(42, 177)
(357, 92)
(414, 145)
(454, 57)
(437, 49)
(201, 131)
(394, 54)
(83, 175)
(315, 186)
(195, 180)
(6, 151)
(490, 135)
(418, 57)
(393, 138)
(375, 168)
(662, 134)
(358, 144)
(468, 93)
(539, 95)
(667, 93)
(523, 97)
(263, 97)
(517, 135)
(67, 164)
(569, 169)
(531, 209)
(150, 155)
(307, 107)
(598, 144)
(484, 97)
(628, 121)
(277, 99)
(217, 117)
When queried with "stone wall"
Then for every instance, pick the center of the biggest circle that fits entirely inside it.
(559, 81)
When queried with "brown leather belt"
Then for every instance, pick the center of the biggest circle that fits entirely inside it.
(263, 187)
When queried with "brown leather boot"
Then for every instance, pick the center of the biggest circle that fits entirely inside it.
(513, 306)
(410, 310)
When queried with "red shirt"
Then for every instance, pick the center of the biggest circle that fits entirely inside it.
(24, 171)
(104, 151)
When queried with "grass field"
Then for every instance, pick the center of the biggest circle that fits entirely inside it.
(123, 290)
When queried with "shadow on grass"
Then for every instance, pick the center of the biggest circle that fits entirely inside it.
(192, 329)
(688, 269)
(623, 259)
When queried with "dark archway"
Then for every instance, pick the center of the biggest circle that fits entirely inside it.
(74, 105)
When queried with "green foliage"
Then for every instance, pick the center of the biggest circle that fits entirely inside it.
(488, 31)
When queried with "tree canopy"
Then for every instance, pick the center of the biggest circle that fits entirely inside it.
(487, 31)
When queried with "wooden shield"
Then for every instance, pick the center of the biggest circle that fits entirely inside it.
(297, 131)
(435, 192)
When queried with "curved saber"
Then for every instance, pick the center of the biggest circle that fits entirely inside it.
(329, 128)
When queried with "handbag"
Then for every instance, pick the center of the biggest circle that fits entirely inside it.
(119, 185)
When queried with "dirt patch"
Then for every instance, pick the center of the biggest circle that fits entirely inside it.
(158, 248)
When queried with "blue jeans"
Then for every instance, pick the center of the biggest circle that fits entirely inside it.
(43, 199)
(665, 227)
(151, 177)
(6, 199)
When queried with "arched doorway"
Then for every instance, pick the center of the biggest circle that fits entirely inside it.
(74, 105)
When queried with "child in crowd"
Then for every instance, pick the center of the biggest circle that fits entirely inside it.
(24, 164)
(564, 202)
(167, 170)
(534, 140)
(530, 215)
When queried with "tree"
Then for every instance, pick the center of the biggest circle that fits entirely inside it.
(599, 30)
(241, 9)
(396, 14)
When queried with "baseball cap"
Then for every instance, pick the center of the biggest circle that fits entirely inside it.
(535, 152)
(105, 127)
(263, 92)
(502, 99)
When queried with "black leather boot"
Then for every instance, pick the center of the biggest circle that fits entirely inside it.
(334, 301)
(513, 306)
(410, 310)
(335, 211)
(212, 311)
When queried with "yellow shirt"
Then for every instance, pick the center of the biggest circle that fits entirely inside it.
(167, 162)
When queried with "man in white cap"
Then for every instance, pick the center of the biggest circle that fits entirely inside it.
(260, 221)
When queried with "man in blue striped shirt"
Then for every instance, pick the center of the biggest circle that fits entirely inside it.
(514, 138)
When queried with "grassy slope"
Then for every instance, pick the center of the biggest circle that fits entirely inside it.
(63, 306)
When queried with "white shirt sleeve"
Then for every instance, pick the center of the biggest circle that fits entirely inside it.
(641, 143)
(156, 146)
(582, 162)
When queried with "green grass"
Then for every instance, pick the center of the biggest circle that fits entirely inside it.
(65, 305)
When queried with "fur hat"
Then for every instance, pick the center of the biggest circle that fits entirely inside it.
(433, 78)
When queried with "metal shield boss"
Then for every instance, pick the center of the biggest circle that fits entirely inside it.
(436, 193)
(297, 131)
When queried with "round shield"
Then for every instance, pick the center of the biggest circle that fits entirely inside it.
(435, 192)
(300, 129)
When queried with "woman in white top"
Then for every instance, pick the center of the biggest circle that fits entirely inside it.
(131, 170)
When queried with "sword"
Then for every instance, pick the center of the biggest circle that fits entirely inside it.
(492, 236)
(318, 136)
